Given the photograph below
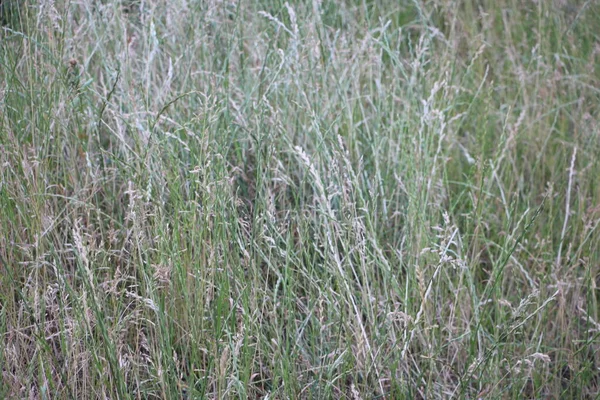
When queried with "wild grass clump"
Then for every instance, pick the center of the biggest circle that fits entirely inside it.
(327, 199)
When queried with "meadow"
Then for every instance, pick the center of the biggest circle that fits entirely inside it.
(321, 199)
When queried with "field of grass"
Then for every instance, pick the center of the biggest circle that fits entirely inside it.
(326, 199)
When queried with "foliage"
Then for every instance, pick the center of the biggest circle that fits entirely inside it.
(327, 199)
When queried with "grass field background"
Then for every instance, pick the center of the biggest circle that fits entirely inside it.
(319, 199)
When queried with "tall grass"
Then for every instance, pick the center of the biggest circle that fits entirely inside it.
(326, 199)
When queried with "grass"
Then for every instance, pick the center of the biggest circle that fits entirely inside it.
(328, 199)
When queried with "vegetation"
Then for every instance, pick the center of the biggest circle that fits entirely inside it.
(319, 199)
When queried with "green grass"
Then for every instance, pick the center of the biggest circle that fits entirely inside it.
(328, 199)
